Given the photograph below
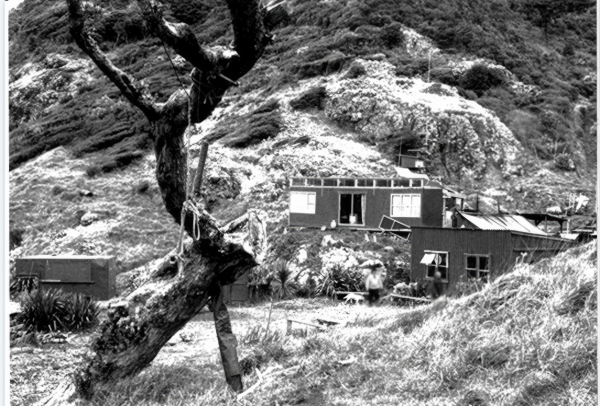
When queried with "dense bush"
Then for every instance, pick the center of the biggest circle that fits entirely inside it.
(480, 78)
(312, 98)
(52, 310)
(15, 237)
(338, 279)
(564, 161)
(392, 35)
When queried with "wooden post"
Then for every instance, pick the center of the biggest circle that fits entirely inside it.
(197, 185)
(443, 212)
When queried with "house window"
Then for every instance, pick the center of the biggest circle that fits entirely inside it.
(406, 205)
(365, 182)
(477, 266)
(303, 202)
(347, 182)
(298, 181)
(330, 182)
(436, 261)
(402, 183)
(314, 182)
(383, 183)
(352, 208)
(417, 183)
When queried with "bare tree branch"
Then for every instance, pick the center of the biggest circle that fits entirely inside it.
(250, 34)
(133, 91)
(180, 37)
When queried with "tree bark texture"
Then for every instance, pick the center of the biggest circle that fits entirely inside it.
(139, 326)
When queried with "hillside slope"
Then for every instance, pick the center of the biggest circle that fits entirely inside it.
(505, 109)
(529, 338)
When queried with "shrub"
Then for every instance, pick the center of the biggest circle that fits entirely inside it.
(92, 171)
(282, 273)
(564, 161)
(356, 70)
(19, 285)
(52, 310)
(392, 35)
(142, 187)
(338, 279)
(15, 238)
(481, 78)
(312, 98)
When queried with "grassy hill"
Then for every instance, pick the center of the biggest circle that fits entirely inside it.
(529, 338)
(550, 57)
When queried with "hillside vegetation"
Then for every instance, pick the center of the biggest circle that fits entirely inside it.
(533, 66)
(529, 338)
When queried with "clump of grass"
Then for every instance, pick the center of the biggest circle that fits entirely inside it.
(52, 310)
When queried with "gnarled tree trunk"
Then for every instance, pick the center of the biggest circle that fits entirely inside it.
(139, 326)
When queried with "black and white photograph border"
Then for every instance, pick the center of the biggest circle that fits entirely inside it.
(320, 202)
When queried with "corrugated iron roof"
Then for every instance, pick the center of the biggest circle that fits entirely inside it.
(510, 222)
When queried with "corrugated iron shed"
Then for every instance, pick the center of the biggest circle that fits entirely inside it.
(509, 222)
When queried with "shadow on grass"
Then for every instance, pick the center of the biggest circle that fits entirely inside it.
(163, 385)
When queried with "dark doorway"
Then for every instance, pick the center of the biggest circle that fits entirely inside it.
(351, 208)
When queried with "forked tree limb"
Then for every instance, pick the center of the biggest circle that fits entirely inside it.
(131, 89)
(142, 323)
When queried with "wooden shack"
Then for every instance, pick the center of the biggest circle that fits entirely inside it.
(480, 247)
(366, 203)
(238, 291)
(92, 276)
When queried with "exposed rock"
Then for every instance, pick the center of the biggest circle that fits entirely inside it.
(88, 218)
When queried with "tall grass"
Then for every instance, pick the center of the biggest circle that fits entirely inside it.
(527, 338)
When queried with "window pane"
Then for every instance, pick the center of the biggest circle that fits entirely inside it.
(402, 182)
(472, 262)
(483, 263)
(329, 182)
(472, 274)
(314, 182)
(382, 182)
(347, 182)
(417, 182)
(298, 182)
(302, 202)
(444, 272)
(442, 260)
(430, 271)
(416, 203)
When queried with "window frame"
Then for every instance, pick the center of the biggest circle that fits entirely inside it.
(447, 266)
(411, 205)
(476, 269)
(307, 194)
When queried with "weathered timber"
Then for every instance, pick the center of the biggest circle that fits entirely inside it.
(135, 330)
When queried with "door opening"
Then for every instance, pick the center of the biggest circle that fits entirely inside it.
(351, 208)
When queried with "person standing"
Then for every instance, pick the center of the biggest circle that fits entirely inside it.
(374, 282)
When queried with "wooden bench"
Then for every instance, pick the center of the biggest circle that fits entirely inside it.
(419, 299)
(306, 323)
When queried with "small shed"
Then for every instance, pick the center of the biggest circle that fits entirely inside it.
(481, 247)
(365, 203)
(92, 276)
(238, 290)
